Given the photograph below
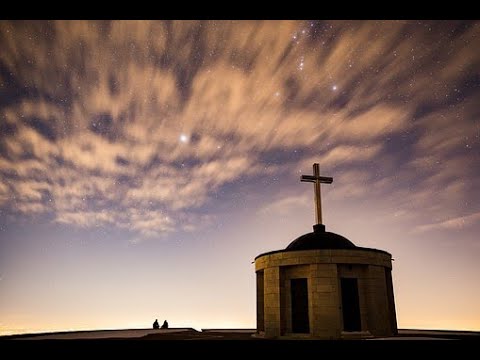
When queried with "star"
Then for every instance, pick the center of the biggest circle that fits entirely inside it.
(334, 87)
(302, 63)
(184, 138)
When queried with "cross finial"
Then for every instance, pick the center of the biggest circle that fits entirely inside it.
(317, 180)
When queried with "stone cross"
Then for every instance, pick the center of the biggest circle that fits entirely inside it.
(317, 180)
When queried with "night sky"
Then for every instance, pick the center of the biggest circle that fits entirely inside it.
(144, 165)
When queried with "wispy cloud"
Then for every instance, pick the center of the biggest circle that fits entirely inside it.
(285, 205)
(92, 113)
(457, 223)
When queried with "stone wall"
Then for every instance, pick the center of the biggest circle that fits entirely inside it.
(272, 301)
(325, 321)
(323, 270)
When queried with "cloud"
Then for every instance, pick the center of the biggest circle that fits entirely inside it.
(451, 224)
(345, 155)
(378, 121)
(85, 219)
(91, 115)
(284, 206)
(4, 193)
(447, 130)
(353, 184)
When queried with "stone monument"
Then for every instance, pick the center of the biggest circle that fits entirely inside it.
(323, 286)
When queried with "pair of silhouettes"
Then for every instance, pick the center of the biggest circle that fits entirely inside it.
(156, 326)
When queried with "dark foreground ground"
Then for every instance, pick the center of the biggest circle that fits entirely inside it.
(204, 335)
(403, 335)
(221, 334)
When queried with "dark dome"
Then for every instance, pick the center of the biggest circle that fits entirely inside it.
(320, 239)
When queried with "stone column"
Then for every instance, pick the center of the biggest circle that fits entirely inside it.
(325, 322)
(391, 302)
(378, 317)
(272, 301)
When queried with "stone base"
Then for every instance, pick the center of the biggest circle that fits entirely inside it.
(345, 335)
(356, 335)
(323, 274)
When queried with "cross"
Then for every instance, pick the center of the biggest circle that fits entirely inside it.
(317, 180)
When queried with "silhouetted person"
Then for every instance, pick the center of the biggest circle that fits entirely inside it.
(165, 325)
(155, 324)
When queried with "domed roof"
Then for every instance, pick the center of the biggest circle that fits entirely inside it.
(320, 239)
